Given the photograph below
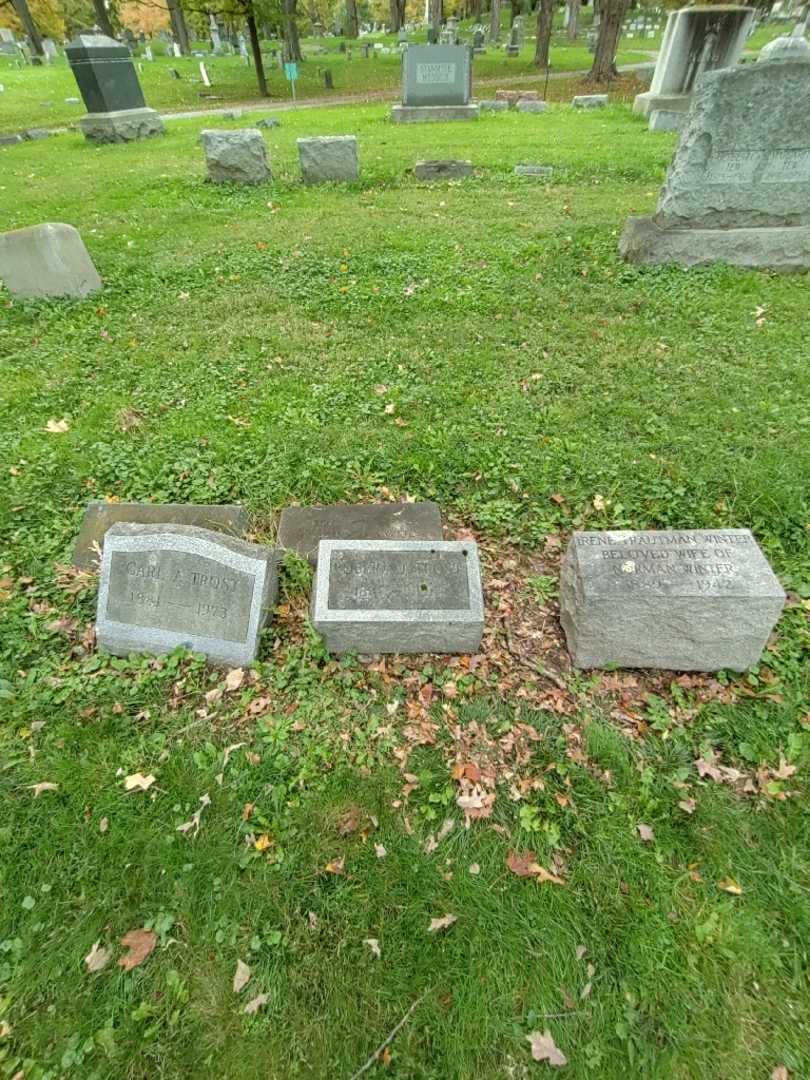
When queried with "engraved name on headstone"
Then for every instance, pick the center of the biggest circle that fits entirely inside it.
(398, 596)
(692, 600)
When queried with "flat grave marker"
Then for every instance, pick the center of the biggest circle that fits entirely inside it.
(101, 516)
(393, 596)
(301, 528)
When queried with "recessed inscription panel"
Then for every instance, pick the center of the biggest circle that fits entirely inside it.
(180, 592)
(398, 581)
(435, 73)
(727, 562)
(759, 166)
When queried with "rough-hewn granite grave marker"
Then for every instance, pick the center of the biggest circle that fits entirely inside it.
(738, 187)
(100, 516)
(329, 158)
(436, 84)
(692, 600)
(236, 157)
(390, 596)
(301, 528)
(47, 260)
(167, 585)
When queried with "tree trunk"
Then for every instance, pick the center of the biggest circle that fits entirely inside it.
(495, 20)
(292, 46)
(607, 44)
(436, 12)
(351, 18)
(257, 54)
(103, 18)
(516, 9)
(573, 19)
(475, 10)
(179, 27)
(397, 15)
(545, 17)
(30, 27)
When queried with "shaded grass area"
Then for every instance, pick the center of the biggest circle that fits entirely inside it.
(258, 335)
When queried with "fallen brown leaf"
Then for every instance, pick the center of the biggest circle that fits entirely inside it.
(57, 427)
(545, 1049)
(255, 1004)
(646, 833)
(43, 785)
(140, 944)
(234, 679)
(443, 923)
(374, 945)
(97, 958)
(241, 977)
(138, 782)
(525, 864)
(729, 885)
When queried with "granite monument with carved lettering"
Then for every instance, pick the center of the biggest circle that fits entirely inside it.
(162, 586)
(687, 600)
(738, 187)
(436, 84)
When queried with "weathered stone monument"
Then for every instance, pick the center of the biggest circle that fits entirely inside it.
(101, 516)
(589, 101)
(479, 43)
(167, 585)
(692, 600)
(436, 84)
(696, 40)
(329, 158)
(301, 528)
(443, 170)
(47, 260)
(536, 172)
(738, 187)
(390, 596)
(236, 157)
(112, 95)
(529, 105)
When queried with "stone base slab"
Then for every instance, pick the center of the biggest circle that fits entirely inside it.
(784, 248)
(425, 114)
(645, 103)
(125, 125)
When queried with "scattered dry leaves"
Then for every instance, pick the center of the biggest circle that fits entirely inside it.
(525, 864)
(255, 1004)
(241, 977)
(443, 923)
(43, 785)
(138, 782)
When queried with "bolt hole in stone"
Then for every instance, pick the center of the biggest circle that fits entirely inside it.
(423, 587)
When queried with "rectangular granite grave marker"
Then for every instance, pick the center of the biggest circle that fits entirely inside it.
(101, 516)
(301, 528)
(329, 159)
(691, 600)
(162, 586)
(436, 84)
(392, 596)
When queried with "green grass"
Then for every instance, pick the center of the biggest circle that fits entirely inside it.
(526, 361)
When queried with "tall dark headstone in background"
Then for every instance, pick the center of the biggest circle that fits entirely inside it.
(108, 83)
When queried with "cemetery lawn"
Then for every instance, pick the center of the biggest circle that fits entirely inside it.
(477, 343)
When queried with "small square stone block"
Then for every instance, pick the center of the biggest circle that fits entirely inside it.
(666, 120)
(531, 106)
(394, 596)
(537, 171)
(493, 106)
(686, 600)
(237, 157)
(590, 101)
(443, 170)
(47, 260)
(162, 586)
(329, 158)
